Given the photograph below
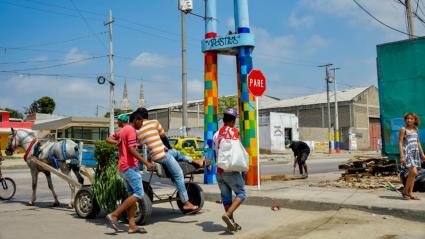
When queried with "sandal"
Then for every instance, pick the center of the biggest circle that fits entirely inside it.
(112, 223)
(413, 197)
(405, 196)
(195, 209)
(230, 225)
(140, 230)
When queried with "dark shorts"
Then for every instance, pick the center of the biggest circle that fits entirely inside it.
(303, 157)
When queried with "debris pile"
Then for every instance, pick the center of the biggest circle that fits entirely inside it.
(368, 166)
(366, 172)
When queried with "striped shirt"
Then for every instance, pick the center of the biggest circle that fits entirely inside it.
(150, 135)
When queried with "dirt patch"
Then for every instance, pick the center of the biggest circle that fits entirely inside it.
(363, 182)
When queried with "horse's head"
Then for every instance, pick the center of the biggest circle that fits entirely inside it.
(11, 142)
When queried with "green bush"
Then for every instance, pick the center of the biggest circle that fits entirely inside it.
(108, 185)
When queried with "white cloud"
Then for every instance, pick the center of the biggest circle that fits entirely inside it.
(266, 44)
(75, 55)
(195, 88)
(41, 58)
(388, 12)
(315, 43)
(72, 96)
(298, 21)
(147, 59)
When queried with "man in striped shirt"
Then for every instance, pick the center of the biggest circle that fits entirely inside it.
(152, 135)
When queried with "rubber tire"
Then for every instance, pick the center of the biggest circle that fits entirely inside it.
(196, 196)
(148, 190)
(94, 209)
(144, 205)
(11, 183)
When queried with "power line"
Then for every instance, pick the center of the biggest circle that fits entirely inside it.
(60, 42)
(87, 24)
(54, 66)
(381, 22)
(30, 61)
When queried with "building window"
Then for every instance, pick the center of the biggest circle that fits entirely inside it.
(68, 133)
(77, 133)
(104, 133)
(1, 118)
(91, 134)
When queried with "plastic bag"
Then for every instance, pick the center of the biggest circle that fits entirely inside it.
(232, 156)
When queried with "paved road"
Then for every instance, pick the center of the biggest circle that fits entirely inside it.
(321, 165)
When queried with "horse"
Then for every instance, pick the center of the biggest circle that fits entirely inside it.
(53, 153)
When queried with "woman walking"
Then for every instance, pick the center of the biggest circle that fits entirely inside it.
(411, 153)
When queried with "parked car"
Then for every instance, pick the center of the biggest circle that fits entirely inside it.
(193, 147)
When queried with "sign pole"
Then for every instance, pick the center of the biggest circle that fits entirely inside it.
(258, 144)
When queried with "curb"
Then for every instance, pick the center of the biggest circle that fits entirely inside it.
(305, 205)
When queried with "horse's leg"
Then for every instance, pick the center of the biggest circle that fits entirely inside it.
(66, 170)
(34, 177)
(50, 184)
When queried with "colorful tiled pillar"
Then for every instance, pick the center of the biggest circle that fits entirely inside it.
(210, 93)
(247, 106)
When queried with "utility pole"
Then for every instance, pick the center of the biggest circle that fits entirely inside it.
(336, 128)
(97, 110)
(327, 79)
(409, 19)
(184, 74)
(111, 76)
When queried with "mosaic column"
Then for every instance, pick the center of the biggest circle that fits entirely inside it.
(210, 92)
(247, 106)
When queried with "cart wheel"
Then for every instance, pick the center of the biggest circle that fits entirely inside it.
(143, 211)
(7, 188)
(148, 190)
(196, 196)
(85, 203)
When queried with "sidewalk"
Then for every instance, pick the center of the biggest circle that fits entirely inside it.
(288, 156)
(299, 195)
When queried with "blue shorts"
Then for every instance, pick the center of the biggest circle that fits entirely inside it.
(133, 182)
(228, 182)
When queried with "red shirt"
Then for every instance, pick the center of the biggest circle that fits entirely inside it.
(126, 160)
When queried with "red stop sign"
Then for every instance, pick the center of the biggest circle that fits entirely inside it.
(256, 82)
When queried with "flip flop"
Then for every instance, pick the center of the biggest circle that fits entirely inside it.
(230, 225)
(414, 198)
(140, 230)
(112, 223)
(195, 209)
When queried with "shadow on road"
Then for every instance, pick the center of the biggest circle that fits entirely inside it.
(392, 197)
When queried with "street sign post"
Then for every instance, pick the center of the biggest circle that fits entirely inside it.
(257, 86)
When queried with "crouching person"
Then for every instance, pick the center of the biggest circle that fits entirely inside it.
(128, 156)
(229, 182)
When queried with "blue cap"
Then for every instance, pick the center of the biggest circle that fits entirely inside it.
(231, 111)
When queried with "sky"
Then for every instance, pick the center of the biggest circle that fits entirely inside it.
(58, 48)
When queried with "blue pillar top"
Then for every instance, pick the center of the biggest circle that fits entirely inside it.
(242, 16)
(211, 18)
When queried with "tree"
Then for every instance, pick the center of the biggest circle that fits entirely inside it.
(117, 112)
(46, 105)
(225, 102)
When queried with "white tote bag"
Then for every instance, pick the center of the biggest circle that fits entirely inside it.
(232, 156)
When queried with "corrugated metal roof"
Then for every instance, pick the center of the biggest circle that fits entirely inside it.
(321, 98)
(264, 101)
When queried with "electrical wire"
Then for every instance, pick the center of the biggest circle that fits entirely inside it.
(61, 42)
(56, 65)
(87, 24)
(381, 22)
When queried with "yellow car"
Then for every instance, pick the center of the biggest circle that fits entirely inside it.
(194, 147)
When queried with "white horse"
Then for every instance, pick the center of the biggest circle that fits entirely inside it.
(53, 153)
